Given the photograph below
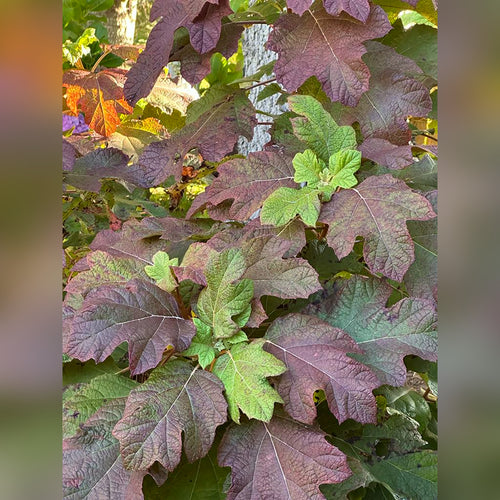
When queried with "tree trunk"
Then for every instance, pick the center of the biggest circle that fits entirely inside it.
(121, 20)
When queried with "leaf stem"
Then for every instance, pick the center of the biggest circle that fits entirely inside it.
(102, 56)
(265, 82)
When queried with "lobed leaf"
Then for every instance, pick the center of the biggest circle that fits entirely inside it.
(175, 399)
(243, 370)
(316, 358)
(377, 210)
(328, 47)
(281, 459)
(139, 313)
(385, 335)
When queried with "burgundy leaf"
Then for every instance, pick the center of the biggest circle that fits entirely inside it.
(70, 154)
(386, 335)
(327, 47)
(272, 275)
(140, 313)
(214, 132)
(92, 465)
(88, 170)
(196, 66)
(315, 354)
(205, 29)
(144, 73)
(279, 460)
(359, 9)
(248, 182)
(385, 153)
(376, 209)
(176, 399)
(394, 95)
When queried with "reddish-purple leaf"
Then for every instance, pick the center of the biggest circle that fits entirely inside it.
(330, 48)
(315, 354)
(214, 132)
(359, 9)
(88, 170)
(273, 275)
(140, 313)
(92, 465)
(386, 335)
(394, 95)
(248, 182)
(196, 66)
(144, 73)
(70, 154)
(385, 153)
(205, 29)
(176, 399)
(376, 209)
(279, 460)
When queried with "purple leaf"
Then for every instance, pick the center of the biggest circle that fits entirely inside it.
(315, 354)
(248, 182)
(205, 29)
(376, 209)
(385, 335)
(144, 73)
(327, 47)
(385, 153)
(92, 465)
(70, 154)
(213, 125)
(359, 9)
(140, 313)
(279, 460)
(176, 399)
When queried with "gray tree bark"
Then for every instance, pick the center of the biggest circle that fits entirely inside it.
(255, 54)
(121, 19)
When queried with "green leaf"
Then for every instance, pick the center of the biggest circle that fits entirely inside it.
(77, 372)
(161, 271)
(413, 475)
(201, 480)
(84, 403)
(243, 370)
(201, 345)
(73, 51)
(225, 305)
(317, 128)
(307, 168)
(343, 165)
(285, 203)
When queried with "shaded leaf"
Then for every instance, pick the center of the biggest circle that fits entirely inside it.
(213, 125)
(175, 399)
(247, 182)
(413, 475)
(327, 47)
(243, 370)
(421, 279)
(201, 480)
(92, 465)
(385, 335)
(281, 459)
(224, 304)
(285, 204)
(85, 402)
(139, 313)
(99, 96)
(315, 355)
(377, 210)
